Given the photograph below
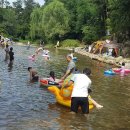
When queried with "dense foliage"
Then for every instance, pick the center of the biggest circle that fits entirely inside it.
(84, 20)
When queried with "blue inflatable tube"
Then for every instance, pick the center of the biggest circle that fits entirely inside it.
(74, 59)
(109, 72)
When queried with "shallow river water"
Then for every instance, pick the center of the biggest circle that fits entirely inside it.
(27, 106)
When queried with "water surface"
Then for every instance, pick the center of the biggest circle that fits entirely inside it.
(26, 106)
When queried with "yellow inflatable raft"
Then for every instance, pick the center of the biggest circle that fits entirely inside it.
(63, 96)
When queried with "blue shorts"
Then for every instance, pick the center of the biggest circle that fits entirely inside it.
(82, 102)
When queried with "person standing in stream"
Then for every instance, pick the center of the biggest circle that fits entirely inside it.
(11, 54)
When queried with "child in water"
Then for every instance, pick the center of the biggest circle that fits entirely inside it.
(33, 57)
(122, 72)
(38, 50)
(33, 74)
(11, 54)
(123, 66)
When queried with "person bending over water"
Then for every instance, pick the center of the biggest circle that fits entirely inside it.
(33, 74)
(80, 94)
(38, 50)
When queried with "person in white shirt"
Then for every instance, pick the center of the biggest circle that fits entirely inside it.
(7, 52)
(79, 95)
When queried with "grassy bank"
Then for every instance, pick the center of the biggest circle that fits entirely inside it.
(26, 41)
(68, 43)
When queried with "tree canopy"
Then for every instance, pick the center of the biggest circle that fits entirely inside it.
(85, 20)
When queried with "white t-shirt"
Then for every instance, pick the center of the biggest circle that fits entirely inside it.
(107, 41)
(81, 85)
(45, 52)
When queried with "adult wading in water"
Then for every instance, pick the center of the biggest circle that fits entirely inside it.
(7, 52)
(11, 54)
(70, 68)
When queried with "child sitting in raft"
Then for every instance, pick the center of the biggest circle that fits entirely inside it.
(122, 72)
(33, 74)
(53, 79)
(52, 76)
(123, 67)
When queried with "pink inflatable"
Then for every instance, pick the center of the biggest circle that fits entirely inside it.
(119, 70)
(31, 57)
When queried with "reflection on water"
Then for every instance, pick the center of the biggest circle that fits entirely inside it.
(26, 106)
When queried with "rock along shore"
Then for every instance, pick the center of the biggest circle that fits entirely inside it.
(104, 58)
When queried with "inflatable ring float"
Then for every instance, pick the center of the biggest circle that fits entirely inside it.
(119, 70)
(46, 82)
(75, 59)
(109, 72)
(31, 58)
(62, 98)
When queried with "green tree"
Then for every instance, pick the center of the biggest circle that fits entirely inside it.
(35, 24)
(86, 17)
(71, 6)
(1, 3)
(84, 14)
(120, 16)
(89, 34)
(102, 15)
(23, 16)
(19, 17)
(55, 20)
(8, 21)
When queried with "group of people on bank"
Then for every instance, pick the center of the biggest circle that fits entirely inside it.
(4, 41)
(81, 85)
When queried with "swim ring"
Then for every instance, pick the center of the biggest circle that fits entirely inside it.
(119, 70)
(109, 72)
(46, 82)
(31, 58)
(44, 55)
(74, 59)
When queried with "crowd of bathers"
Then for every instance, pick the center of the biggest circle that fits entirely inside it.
(80, 80)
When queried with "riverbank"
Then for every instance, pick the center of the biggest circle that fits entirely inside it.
(117, 61)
